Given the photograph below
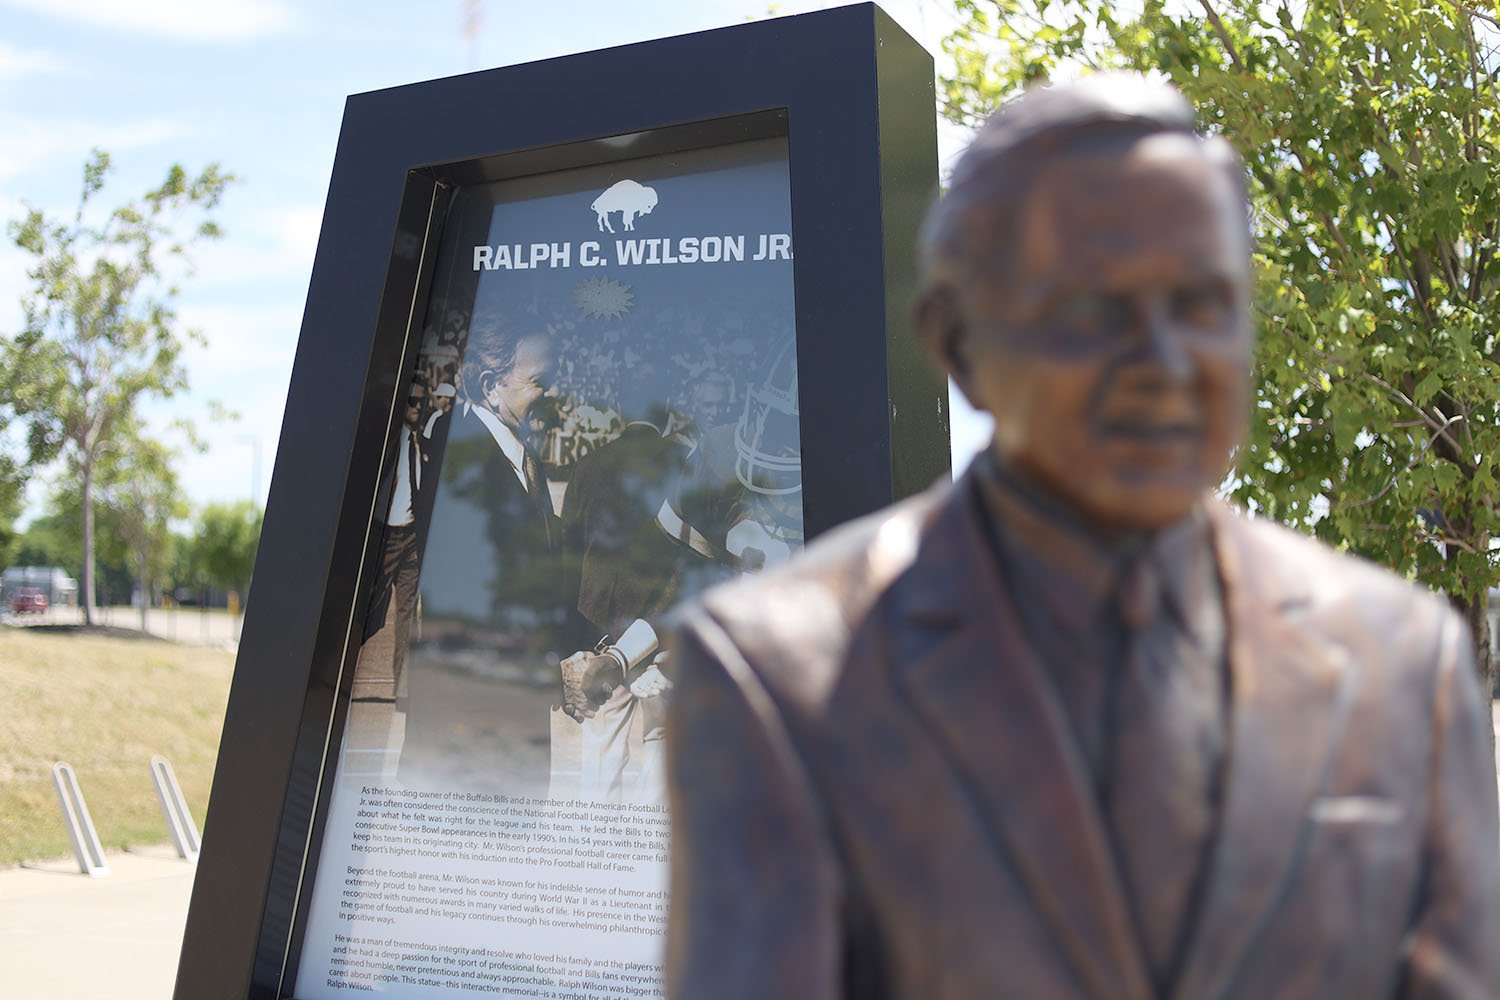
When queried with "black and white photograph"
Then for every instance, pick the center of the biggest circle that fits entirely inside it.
(602, 422)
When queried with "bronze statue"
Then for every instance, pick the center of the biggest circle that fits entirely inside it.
(1070, 727)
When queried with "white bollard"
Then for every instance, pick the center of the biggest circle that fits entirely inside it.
(174, 810)
(86, 846)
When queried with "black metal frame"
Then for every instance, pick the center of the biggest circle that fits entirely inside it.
(853, 94)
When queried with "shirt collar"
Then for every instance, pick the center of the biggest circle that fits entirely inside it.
(510, 445)
(1074, 572)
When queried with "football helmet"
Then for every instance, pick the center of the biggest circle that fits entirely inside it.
(767, 437)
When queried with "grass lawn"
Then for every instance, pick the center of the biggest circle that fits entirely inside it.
(105, 705)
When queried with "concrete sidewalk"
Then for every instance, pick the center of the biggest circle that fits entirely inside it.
(69, 937)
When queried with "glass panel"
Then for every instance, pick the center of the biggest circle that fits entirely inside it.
(604, 421)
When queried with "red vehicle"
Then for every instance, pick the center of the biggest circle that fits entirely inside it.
(28, 599)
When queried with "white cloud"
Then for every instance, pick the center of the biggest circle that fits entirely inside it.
(243, 343)
(16, 64)
(13, 263)
(266, 244)
(31, 143)
(245, 365)
(191, 20)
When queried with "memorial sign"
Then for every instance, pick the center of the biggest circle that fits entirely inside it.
(642, 444)
(608, 356)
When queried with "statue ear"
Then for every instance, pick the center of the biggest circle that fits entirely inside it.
(940, 326)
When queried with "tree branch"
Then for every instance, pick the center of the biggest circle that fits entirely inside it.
(1223, 33)
(1481, 263)
(1475, 13)
(1409, 466)
(1447, 256)
(1456, 543)
(1471, 120)
(1438, 426)
(1421, 291)
(1441, 428)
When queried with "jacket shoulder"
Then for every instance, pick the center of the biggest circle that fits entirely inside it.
(1343, 597)
(792, 624)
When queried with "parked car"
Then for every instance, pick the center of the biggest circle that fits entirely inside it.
(28, 599)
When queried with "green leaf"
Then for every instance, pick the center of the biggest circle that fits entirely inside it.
(1358, 316)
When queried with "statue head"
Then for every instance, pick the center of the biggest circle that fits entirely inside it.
(1087, 284)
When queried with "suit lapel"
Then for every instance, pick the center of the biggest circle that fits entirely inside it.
(976, 684)
(1288, 701)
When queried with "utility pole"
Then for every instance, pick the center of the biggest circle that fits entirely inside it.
(473, 20)
(254, 441)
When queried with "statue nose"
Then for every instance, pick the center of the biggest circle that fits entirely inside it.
(1159, 342)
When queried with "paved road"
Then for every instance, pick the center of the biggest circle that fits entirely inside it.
(197, 626)
(67, 937)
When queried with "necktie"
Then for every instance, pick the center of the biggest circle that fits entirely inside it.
(531, 473)
(536, 488)
(1165, 745)
(413, 465)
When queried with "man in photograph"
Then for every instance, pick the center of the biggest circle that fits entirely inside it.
(494, 569)
(1070, 727)
(395, 592)
(504, 375)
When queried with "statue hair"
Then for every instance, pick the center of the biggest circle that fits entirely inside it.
(1101, 113)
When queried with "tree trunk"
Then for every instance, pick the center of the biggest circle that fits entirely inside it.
(86, 585)
(1476, 615)
(145, 585)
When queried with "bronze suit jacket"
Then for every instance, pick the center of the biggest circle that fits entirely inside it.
(875, 792)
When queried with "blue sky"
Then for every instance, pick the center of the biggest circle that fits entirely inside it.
(259, 86)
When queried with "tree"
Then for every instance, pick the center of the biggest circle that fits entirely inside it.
(11, 482)
(183, 571)
(1370, 133)
(225, 543)
(54, 539)
(50, 540)
(100, 333)
(13, 477)
(139, 495)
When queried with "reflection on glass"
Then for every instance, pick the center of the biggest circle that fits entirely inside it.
(603, 422)
(624, 433)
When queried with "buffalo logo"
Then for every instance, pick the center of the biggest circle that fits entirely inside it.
(628, 198)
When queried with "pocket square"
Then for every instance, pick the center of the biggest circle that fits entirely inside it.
(1356, 809)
